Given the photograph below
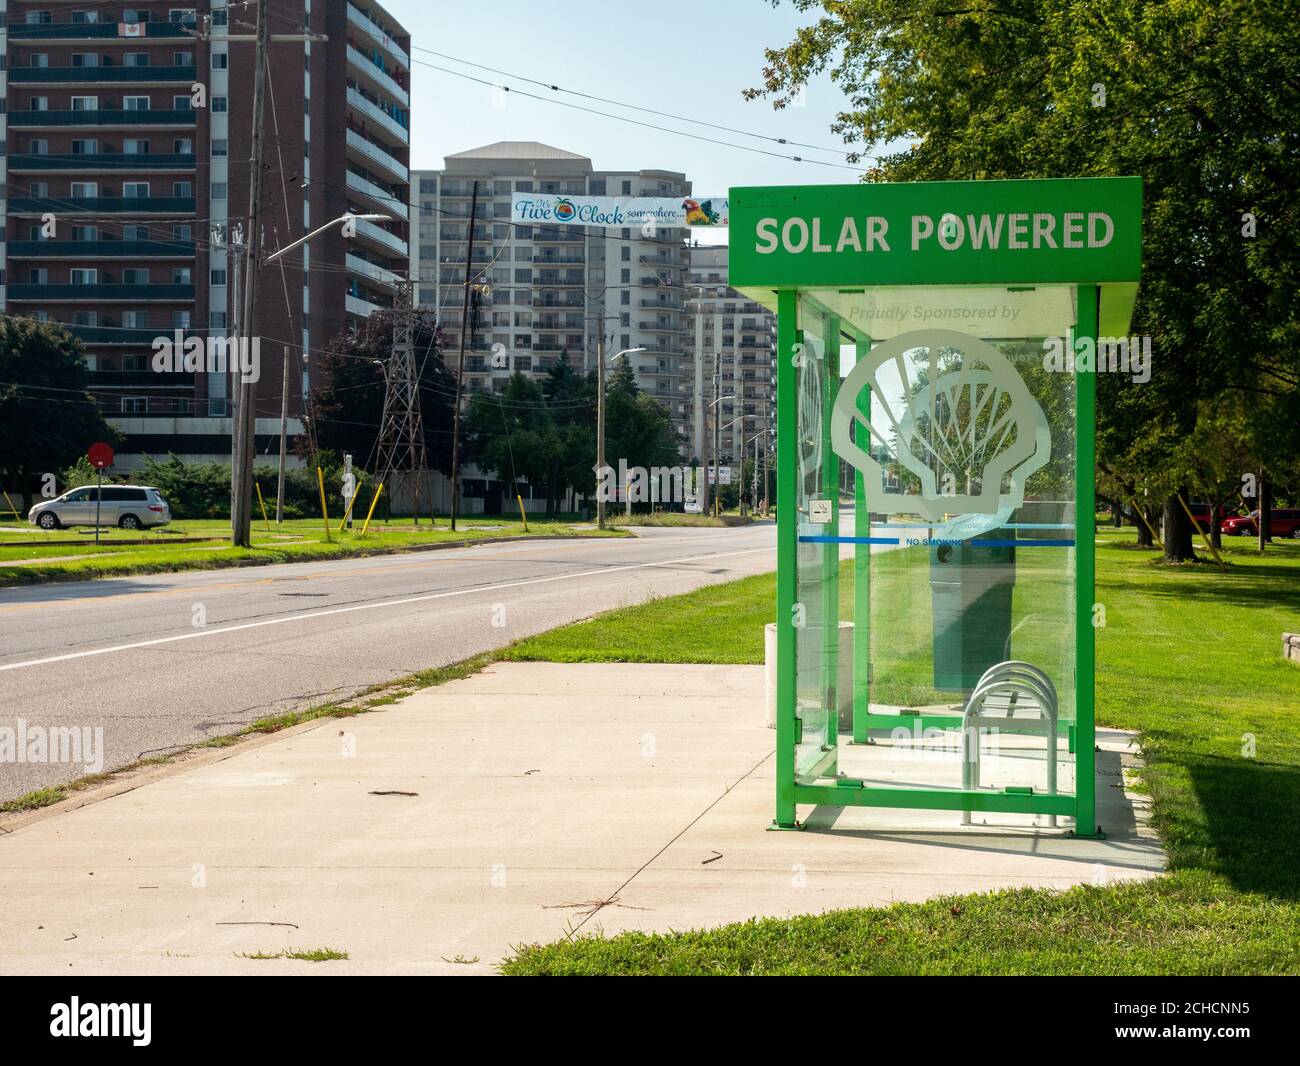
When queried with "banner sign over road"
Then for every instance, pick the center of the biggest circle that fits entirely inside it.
(618, 211)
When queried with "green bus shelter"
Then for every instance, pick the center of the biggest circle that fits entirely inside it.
(936, 368)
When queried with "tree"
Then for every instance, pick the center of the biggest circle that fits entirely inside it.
(349, 408)
(47, 418)
(513, 434)
(1199, 98)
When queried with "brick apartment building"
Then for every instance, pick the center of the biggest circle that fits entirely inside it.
(127, 134)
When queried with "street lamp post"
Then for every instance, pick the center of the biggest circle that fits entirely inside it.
(241, 458)
(600, 419)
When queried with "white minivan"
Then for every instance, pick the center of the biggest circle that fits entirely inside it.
(128, 506)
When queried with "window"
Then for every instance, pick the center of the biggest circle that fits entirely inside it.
(216, 319)
(133, 405)
(40, 59)
(218, 277)
(219, 59)
(135, 188)
(180, 275)
(135, 233)
(182, 189)
(135, 146)
(39, 103)
(218, 190)
(218, 105)
(180, 320)
(84, 146)
(182, 146)
(38, 276)
(40, 18)
(85, 233)
(219, 148)
(185, 16)
(181, 103)
(135, 319)
(81, 18)
(135, 103)
(39, 147)
(182, 59)
(85, 103)
(135, 276)
(135, 59)
(181, 231)
(135, 15)
(85, 59)
(84, 276)
(82, 190)
(39, 189)
(219, 18)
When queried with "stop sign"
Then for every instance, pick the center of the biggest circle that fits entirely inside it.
(100, 455)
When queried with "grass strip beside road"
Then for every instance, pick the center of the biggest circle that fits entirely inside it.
(1189, 657)
(300, 540)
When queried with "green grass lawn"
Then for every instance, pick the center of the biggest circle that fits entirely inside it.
(296, 540)
(1190, 657)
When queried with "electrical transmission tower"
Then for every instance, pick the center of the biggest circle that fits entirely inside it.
(401, 433)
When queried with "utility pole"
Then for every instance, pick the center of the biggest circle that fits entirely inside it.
(717, 430)
(235, 255)
(600, 427)
(460, 366)
(284, 423)
(241, 467)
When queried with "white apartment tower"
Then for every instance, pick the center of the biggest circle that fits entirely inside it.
(544, 290)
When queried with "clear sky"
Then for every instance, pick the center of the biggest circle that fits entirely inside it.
(685, 58)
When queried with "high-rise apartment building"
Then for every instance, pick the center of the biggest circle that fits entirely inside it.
(734, 338)
(128, 131)
(546, 290)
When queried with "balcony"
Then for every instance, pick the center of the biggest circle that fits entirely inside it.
(373, 271)
(363, 308)
(140, 336)
(378, 194)
(357, 17)
(659, 327)
(378, 76)
(140, 379)
(97, 31)
(118, 162)
(543, 301)
(379, 239)
(144, 118)
(374, 155)
(376, 115)
(133, 205)
(100, 293)
(102, 75)
(545, 279)
(100, 249)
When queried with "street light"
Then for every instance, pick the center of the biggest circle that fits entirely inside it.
(241, 458)
(348, 218)
(600, 419)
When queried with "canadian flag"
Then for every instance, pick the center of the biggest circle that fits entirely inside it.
(131, 29)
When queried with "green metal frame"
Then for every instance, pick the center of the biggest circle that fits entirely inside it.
(1103, 277)
(852, 792)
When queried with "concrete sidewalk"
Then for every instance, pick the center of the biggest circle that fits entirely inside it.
(546, 798)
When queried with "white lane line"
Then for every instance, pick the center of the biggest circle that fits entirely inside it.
(371, 606)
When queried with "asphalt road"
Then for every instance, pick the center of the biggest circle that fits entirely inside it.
(166, 660)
